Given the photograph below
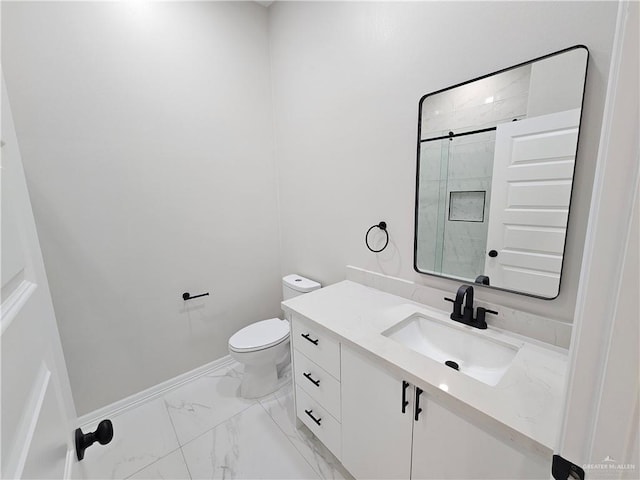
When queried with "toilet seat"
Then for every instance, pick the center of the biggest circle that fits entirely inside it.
(260, 335)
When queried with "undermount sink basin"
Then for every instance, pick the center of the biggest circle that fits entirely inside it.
(476, 355)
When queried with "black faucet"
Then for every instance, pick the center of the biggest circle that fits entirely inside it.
(464, 313)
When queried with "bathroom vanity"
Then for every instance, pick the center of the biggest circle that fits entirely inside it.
(371, 383)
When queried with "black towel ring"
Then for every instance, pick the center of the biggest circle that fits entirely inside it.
(382, 226)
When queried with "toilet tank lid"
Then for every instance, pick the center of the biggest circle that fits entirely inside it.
(300, 284)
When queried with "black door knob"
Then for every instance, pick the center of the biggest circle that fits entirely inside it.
(102, 435)
(104, 432)
(493, 253)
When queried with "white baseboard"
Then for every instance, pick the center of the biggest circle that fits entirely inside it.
(91, 418)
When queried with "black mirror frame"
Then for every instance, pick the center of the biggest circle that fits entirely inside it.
(417, 185)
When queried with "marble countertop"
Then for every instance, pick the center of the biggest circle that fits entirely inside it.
(527, 401)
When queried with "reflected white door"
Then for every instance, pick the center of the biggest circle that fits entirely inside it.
(532, 177)
(37, 406)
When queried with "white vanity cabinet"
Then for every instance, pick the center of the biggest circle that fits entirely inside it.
(351, 375)
(380, 440)
(316, 373)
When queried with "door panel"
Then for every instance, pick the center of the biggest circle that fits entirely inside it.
(471, 452)
(376, 435)
(37, 407)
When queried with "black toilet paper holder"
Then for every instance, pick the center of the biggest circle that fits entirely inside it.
(187, 296)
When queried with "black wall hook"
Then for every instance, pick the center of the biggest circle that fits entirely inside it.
(382, 226)
(103, 435)
(187, 296)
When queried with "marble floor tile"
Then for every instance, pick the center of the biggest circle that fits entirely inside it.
(170, 467)
(280, 407)
(248, 446)
(206, 402)
(141, 436)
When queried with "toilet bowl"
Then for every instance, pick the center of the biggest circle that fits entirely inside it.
(263, 347)
(260, 346)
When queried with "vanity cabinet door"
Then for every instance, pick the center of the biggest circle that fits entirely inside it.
(376, 435)
(447, 445)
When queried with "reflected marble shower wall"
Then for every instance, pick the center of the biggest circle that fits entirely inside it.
(479, 104)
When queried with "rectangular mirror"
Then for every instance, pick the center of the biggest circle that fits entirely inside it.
(496, 157)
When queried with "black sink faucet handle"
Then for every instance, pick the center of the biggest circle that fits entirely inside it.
(457, 308)
(481, 321)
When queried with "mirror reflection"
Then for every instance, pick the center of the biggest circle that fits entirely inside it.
(496, 157)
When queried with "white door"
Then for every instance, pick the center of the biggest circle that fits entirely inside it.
(600, 426)
(533, 165)
(37, 406)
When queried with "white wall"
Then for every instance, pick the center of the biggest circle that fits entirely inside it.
(347, 78)
(146, 133)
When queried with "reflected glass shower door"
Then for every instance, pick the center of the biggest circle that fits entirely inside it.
(454, 209)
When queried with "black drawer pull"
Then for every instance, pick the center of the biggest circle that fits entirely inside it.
(418, 409)
(308, 377)
(405, 402)
(317, 420)
(306, 335)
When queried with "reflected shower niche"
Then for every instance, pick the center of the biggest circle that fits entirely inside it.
(496, 158)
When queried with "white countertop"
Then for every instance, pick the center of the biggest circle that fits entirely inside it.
(527, 400)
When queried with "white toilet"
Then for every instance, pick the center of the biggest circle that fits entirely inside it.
(264, 346)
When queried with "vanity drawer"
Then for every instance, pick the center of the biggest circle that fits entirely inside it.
(328, 429)
(315, 380)
(318, 347)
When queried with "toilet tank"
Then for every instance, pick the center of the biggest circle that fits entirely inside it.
(294, 285)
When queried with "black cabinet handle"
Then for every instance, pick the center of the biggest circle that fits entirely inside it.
(405, 402)
(317, 420)
(418, 409)
(493, 253)
(306, 335)
(308, 377)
